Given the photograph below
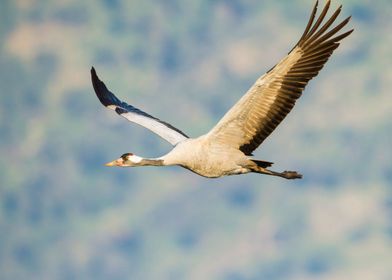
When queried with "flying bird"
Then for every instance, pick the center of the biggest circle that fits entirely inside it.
(227, 148)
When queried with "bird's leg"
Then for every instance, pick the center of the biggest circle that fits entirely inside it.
(291, 175)
(284, 174)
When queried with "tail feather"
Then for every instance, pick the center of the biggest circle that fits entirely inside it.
(262, 163)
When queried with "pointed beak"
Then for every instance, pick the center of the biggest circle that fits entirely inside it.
(117, 162)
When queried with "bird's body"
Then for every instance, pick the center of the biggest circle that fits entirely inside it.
(227, 148)
(206, 158)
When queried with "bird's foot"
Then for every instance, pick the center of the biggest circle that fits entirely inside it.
(291, 175)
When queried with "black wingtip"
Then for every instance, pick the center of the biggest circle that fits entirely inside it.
(104, 95)
(94, 77)
(98, 86)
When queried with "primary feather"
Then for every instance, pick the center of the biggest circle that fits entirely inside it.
(133, 114)
(253, 118)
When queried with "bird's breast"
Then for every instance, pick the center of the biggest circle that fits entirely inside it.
(204, 158)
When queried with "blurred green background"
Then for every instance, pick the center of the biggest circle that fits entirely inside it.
(63, 215)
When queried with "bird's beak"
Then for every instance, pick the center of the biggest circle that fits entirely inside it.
(117, 162)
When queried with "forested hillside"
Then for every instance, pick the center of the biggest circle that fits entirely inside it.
(64, 215)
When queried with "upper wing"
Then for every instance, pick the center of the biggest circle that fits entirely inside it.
(108, 99)
(271, 98)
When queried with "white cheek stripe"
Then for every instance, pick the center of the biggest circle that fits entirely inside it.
(135, 159)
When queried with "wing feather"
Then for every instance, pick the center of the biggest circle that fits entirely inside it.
(135, 115)
(255, 116)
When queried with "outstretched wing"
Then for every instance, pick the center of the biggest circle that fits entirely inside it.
(109, 100)
(253, 118)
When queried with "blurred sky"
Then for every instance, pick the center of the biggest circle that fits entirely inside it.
(63, 215)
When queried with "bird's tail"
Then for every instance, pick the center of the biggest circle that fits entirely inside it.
(262, 163)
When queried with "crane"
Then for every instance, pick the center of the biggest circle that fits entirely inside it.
(227, 148)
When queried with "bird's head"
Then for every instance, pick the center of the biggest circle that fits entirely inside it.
(126, 160)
